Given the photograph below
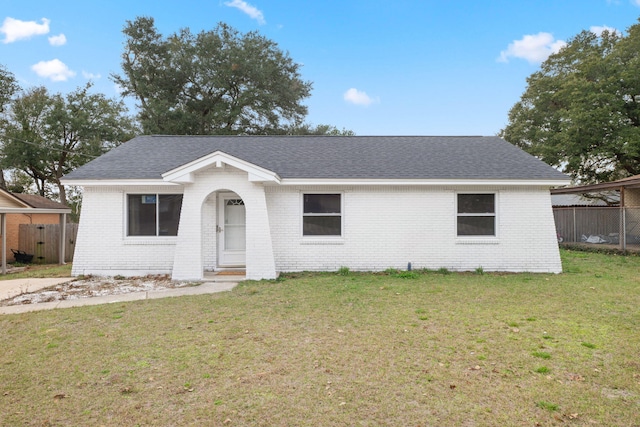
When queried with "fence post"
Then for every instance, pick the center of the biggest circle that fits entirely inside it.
(3, 230)
(623, 238)
(63, 239)
(575, 237)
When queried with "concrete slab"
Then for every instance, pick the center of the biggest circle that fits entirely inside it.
(27, 308)
(204, 288)
(13, 287)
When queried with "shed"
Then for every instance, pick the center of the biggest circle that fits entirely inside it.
(17, 208)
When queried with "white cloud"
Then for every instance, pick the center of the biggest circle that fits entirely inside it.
(90, 76)
(15, 29)
(636, 2)
(55, 70)
(58, 40)
(598, 30)
(250, 10)
(533, 48)
(357, 97)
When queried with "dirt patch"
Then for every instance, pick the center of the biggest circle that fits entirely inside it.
(95, 287)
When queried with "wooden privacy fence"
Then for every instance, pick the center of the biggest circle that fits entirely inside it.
(43, 241)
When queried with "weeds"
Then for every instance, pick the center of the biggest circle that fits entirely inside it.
(343, 271)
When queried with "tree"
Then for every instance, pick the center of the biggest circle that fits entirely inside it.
(581, 110)
(47, 136)
(8, 88)
(215, 82)
(308, 129)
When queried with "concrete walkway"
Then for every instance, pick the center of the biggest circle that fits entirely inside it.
(9, 288)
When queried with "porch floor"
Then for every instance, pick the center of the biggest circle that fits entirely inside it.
(230, 275)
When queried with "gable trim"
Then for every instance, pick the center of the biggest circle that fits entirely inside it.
(15, 199)
(185, 173)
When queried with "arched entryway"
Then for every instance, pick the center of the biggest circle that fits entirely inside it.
(224, 224)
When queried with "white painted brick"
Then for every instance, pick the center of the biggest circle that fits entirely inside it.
(383, 227)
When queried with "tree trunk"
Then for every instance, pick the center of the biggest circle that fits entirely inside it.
(62, 193)
(3, 183)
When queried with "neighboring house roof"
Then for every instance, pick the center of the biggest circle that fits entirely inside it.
(327, 157)
(36, 201)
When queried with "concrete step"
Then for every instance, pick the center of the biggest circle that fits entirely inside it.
(222, 276)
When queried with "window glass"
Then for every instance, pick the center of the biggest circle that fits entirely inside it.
(476, 203)
(153, 215)
(142, 215)
(476, 215)
(322, 215)
(322, 203)
(476, 226)
(322, 226)
(169, 214)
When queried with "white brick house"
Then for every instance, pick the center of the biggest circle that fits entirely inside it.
(186, 205)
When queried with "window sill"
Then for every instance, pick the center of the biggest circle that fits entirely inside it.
(477, 241)
(150, 240)
(320, 241)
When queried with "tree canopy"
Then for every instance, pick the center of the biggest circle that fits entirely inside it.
(581, 111)
(8, 87)
(48, 135)
(214, 82)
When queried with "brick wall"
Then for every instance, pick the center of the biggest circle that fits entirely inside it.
(391, 226)
(101, 245)
(384, 227)
(195, 249)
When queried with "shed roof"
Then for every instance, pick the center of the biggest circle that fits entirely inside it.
(19, 202)
(629, 182)
(36, 201)
(327, 157)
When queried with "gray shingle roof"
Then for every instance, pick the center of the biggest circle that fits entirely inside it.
(327, 157)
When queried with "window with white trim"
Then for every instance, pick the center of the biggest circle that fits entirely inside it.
(153, 214)
(476, 214)
(322, 215)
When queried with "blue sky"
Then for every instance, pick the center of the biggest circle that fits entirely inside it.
(402, 67)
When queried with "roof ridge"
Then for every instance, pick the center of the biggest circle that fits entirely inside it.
(318, 136)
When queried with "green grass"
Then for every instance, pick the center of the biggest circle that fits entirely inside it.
(333, 350)
(39, 271)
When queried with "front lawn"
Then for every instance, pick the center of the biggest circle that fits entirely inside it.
(37, 271)
(432, 349)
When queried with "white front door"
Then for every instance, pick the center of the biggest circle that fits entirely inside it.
(231, 231)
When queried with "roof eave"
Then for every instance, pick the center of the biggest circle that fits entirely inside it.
(35, 211)
(429, 182)
(86, 182)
